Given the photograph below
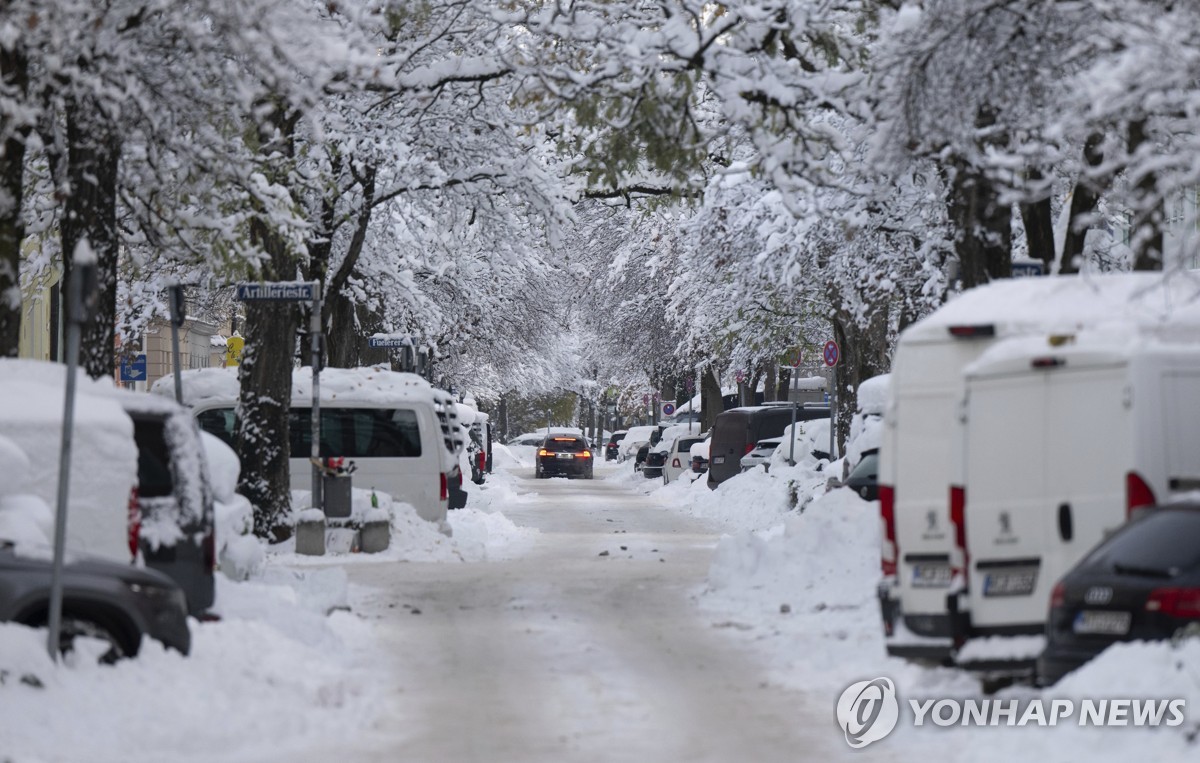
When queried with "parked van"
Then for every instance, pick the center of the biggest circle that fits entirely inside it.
(920, 453)
(738, 430)
(139, 486)
(1065, 437)
(402, 434)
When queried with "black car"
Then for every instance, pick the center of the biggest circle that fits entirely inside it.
(564, 456)
(639, 461)
(614, 444)
(652, 465)
(116, 603)
(1141, 583)
(864, 478)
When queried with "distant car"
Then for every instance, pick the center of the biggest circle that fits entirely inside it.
(699, 454)
(1142, 583)
(613, 445)
(635, 438)
(761, 454)
(531, 439)
(679, 457)
(116, 603)
(864, 478)
(564, 456)
(656, 458)
(738, 430)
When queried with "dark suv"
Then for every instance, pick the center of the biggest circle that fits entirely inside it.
(614, 443)
(564, 456)
(736, 432)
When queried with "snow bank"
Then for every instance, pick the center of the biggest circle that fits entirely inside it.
(371, 384)
(285, 671)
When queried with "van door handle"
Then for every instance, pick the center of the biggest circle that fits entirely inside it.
(1066, 529)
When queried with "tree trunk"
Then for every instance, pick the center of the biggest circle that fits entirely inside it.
(1038, 217)
(347, 330)
(710, 399)
(93, 157)
(771, 371)
(1147, 223)
(14, 78)
(783, 385)
(983, 232)
(1084, 202)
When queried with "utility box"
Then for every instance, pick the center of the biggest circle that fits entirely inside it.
(336, 489)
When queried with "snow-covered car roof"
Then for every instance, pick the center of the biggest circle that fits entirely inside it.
(353, 386)
(1064, 304)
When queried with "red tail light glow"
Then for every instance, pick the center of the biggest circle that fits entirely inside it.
(1138, 494)
(586, 454)
(1183, 603)
(133, 523)
(749, 447)
(971, 332)
(482, 460)
(1058, 596)
(444, 493)
(887, 509)
(958, 517)
(543, 452)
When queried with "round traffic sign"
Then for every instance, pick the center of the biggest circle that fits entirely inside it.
(645, 400)
(832, 353)
(796, 359)
(668, 409)
(690, 384)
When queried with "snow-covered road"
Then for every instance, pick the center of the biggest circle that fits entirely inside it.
(587, 648)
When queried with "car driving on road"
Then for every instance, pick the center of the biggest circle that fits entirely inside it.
(564, 456)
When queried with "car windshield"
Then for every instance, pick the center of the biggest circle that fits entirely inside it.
(1163, 543)
(564, 445)
(867, 469)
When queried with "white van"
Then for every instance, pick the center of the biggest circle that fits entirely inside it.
(920, 453)
(1064, 439)
(401, 433)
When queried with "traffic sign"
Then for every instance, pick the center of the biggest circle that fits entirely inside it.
(668, 409)
(833, 353)
(389, 342)
(233, 350)
(741, 376)
(690, 384)
(133, 369)
(645, 400)
(295, 291)
(1026, 268)
(796, 358)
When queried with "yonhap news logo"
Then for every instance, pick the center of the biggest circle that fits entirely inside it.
(867, 711)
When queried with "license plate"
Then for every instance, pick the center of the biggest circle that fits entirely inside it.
(1020, 582)
(931, 576)
(566, 455)
(1103, 623)
(719, 459)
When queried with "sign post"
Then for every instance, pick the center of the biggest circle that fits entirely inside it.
(299, 291)
(795, 367)
(81, 305)
(832, 355)
(177, 316)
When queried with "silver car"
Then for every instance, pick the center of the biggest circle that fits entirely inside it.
(115, 603)
(761, 453)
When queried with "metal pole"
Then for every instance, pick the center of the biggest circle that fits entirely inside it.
(832, 414)
(75, 318)
(792, 449)
(314, 330)
(177, 318)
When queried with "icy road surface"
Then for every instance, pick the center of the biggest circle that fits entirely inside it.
(587, 648)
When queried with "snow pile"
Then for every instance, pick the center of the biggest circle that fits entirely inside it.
(370, 384)
(818, 570)
(239, 554)
(284, 672)
(508, 456)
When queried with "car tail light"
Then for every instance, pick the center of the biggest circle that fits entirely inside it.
(133, 523)
(675, 464)
(958, 517)
(586, 454)
(1183, 603)
(444, 493)
(1047, 362)
(972, 332)
(543, 452)
(1138, 494)
(749, 448)
(210, 550)
(482, 459)
(1058, 596)
(460, 479)
(887, 509)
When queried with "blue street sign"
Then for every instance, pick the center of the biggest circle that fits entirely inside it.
(389, 342)
(1026, 268)
(294, 291)
(668, 409)
(133, 369)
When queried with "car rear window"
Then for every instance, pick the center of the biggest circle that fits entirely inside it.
(868, 467)
(564, 445)
(685, 445)
(154, 458)
(1165, 542)
(218, 422)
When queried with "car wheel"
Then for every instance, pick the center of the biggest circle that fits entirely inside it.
(81, 626)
